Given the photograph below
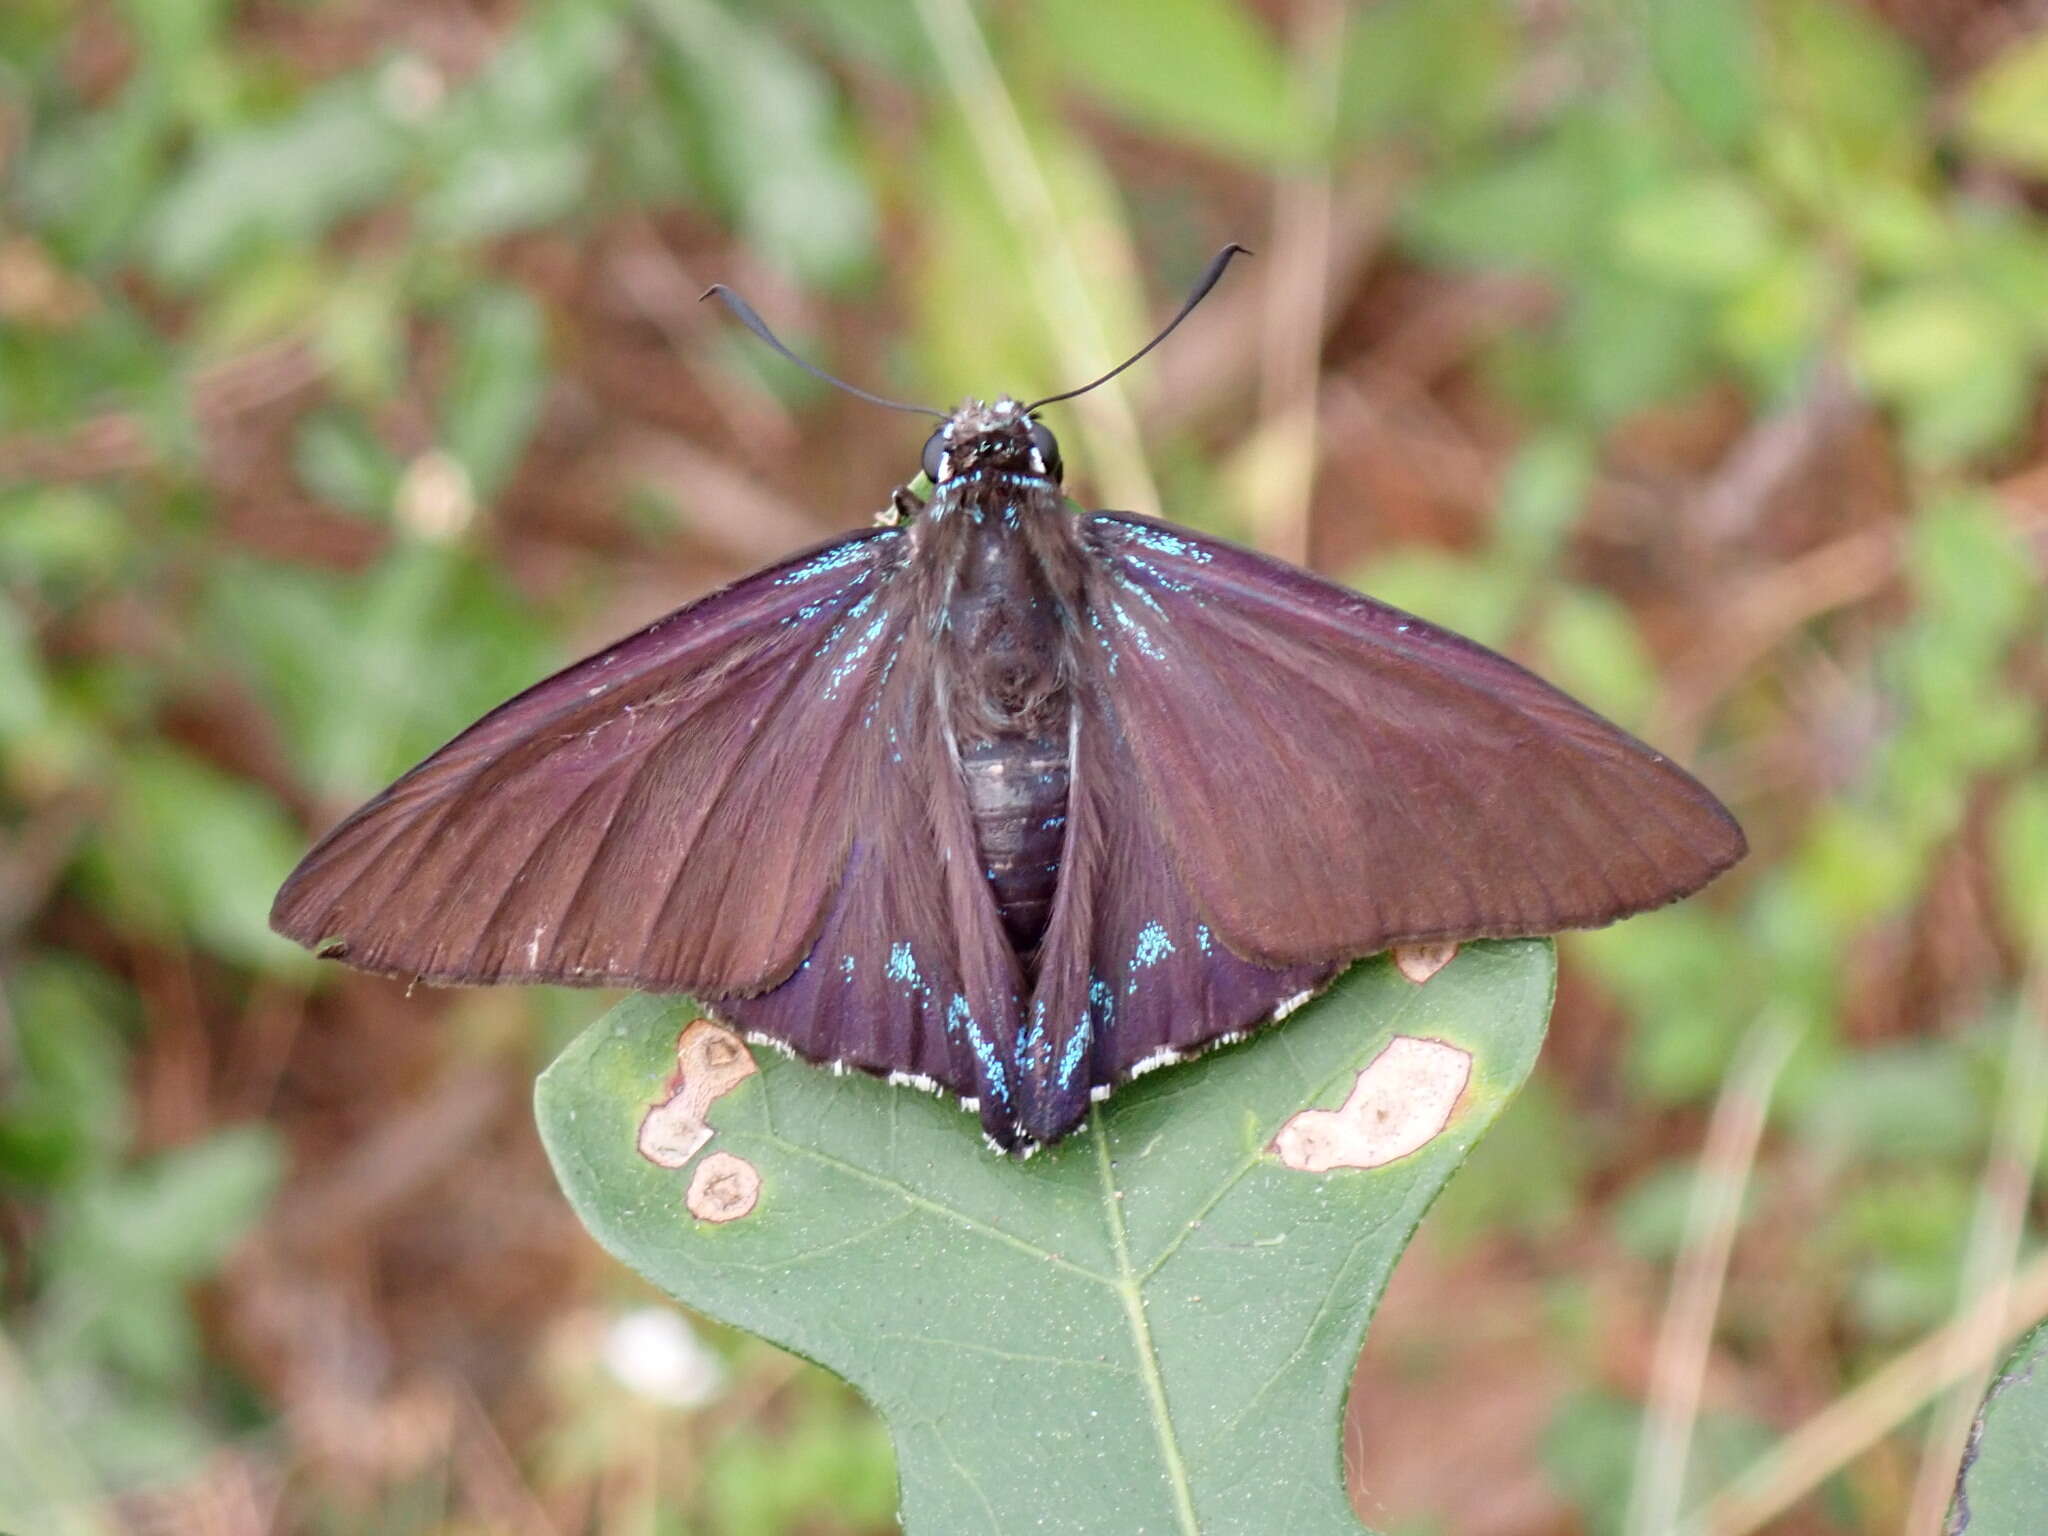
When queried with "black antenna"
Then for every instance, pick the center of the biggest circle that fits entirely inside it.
(1207, 281)
(759, 327)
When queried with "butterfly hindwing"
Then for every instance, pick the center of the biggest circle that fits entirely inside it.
(1131, 975)
(910, 975)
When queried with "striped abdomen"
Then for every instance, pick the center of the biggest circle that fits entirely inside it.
(1017, 792)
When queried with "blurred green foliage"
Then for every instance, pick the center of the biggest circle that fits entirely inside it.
(301, 309)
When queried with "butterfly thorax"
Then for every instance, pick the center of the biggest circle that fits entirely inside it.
(1001, 542)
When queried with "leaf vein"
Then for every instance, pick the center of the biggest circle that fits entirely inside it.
(926, 1203)
(1251, 1158)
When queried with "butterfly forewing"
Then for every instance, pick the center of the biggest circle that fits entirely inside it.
(668, 813)
(1334, 776)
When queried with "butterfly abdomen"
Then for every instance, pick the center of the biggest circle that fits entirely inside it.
(1005, 640)
(1017, 794)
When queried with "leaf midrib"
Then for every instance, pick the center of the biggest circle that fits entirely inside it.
(1130, 1288)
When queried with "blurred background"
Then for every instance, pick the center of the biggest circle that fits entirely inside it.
(352, 376)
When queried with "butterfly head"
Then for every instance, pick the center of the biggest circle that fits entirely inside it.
(999, 436)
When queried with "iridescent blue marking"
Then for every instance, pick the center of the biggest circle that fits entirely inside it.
(881, 683)
(1153, 946)
(1031, 1044)
(1051, 823)
(850, 662)
(835, 559)
(1102, 638)
(846, 966)
(1140, 593)
(1102, 1001)
(902, 967)
(1159, 541)
(959, 1016)
(1077, 1047)
(1138, 631)
(853, 613)
(1000, 476)
(1172, 584)
(1202, 937)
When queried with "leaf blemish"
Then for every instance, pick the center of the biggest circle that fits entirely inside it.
(711, 1061)
(724, 1188)
(1419, 962)
(1403, 1099)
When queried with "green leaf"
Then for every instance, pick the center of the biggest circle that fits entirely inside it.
(284, 182)
(1913, 1104)
(1542, 494)
(1593, 647)
(1148, 1327)
(1710, 233)
(368, 673)
(1951, 362)
(2005, 108)
(2003, 1484)
(176, 1216)
(1430, 70)
(1531, 207)
(191, 852)
(1705, 53)
(60, 538)
(765, 119)
(1202, 68)
(493, 397)
(63, 1107)
(1628, 346)
(513, 150)
(1670, 970)
(1477, 598)
(971, 245)
(339, 459)
(827, 1453)
(24, 696)
(2020, 857)
(1852, 84)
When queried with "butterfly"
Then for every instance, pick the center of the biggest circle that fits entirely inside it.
(1004, 799)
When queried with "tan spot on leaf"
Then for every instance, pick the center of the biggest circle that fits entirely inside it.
(724, 1188)
(711, 1061)
(1419, 962)
(1401, 1102)
(671, 1133)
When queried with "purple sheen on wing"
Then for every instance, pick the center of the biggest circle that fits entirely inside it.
(1383, 780)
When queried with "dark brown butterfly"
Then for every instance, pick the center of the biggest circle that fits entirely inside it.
(1006, 800)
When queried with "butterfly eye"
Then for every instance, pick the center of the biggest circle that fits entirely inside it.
(935, 457)
(1048, 450)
